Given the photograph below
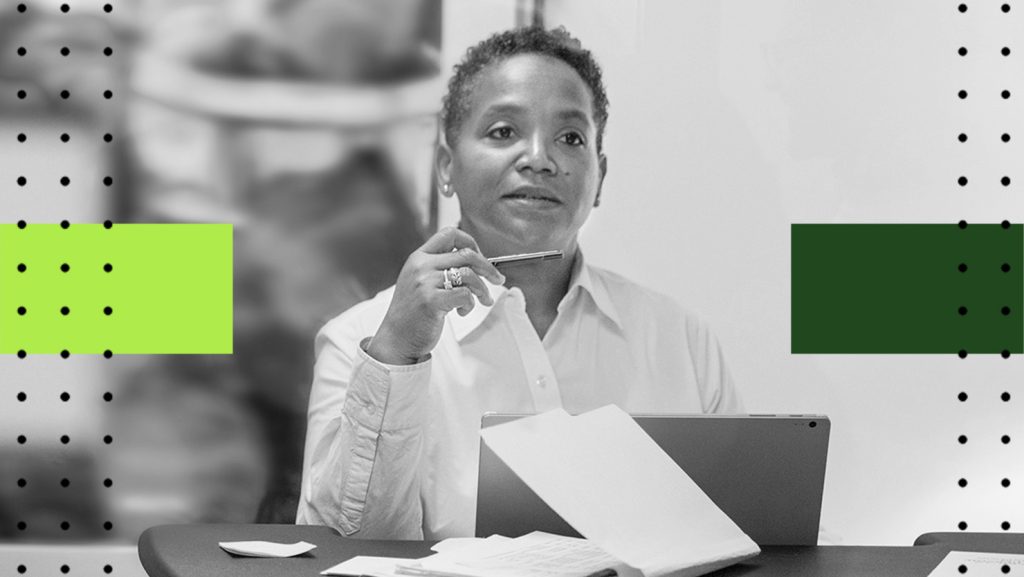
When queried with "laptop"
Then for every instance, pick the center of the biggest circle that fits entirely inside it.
(766, 472)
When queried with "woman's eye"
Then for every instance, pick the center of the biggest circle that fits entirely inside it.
(501, 132)
(573, 139)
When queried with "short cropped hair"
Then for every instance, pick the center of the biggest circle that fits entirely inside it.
(556, 43)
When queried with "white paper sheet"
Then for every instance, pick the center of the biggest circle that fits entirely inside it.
(977, 564)
(618, 488)
(266, 548)
(535, 555)
(452, 544)
(365, 565)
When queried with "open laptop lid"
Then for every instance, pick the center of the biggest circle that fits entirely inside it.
(766, 472)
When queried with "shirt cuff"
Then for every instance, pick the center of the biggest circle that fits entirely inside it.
(387, 397)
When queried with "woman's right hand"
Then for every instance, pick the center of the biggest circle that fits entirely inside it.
(412, 326)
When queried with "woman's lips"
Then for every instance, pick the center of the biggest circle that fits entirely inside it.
(530, 196)
(532, 202)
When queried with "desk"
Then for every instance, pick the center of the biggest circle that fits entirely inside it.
(192, 551)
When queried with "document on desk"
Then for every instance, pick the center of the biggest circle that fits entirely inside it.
(977, 564)
(537, 554)
(365, 566)
(534, 555)
(608, 479)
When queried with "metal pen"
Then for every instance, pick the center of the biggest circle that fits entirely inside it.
(525, 258)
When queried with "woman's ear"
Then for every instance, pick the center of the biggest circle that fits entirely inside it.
(443, 167)
(602, 164)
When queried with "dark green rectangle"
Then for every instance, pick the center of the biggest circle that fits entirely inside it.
(898, 288)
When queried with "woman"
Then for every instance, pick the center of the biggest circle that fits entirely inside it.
(401, 384)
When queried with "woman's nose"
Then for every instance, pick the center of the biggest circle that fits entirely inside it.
(537, 157)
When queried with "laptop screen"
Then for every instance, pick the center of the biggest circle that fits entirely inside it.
(766, 472)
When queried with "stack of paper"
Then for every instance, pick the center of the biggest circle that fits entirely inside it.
(534, 555)
(608, 479)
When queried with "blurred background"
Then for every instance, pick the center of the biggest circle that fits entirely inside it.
(310, 126)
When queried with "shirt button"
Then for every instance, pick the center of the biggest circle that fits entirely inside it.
(542, 382)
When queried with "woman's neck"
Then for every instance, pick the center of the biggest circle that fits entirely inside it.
(544, 285)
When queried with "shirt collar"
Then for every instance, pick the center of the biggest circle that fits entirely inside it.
(582, 281)
(584, 278)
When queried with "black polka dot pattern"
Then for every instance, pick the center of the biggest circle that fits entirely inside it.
(42, 94)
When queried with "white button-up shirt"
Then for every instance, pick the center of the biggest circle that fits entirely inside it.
(392, 452)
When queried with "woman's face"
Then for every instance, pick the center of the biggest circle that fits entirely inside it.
(525, 165)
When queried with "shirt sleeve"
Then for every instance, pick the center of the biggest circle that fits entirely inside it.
(363, 441)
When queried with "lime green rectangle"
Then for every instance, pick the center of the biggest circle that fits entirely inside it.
(898, 288)
(169, 289)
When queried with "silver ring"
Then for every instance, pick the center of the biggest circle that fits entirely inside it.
(456, 276)
(447, 281)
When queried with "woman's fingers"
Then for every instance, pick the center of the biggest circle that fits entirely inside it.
(458, 248)
(451, 248)
(467, 257)
(457, 298)
(449, 238)
(469, 279)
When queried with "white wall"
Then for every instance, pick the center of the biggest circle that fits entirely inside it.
(732, 120)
